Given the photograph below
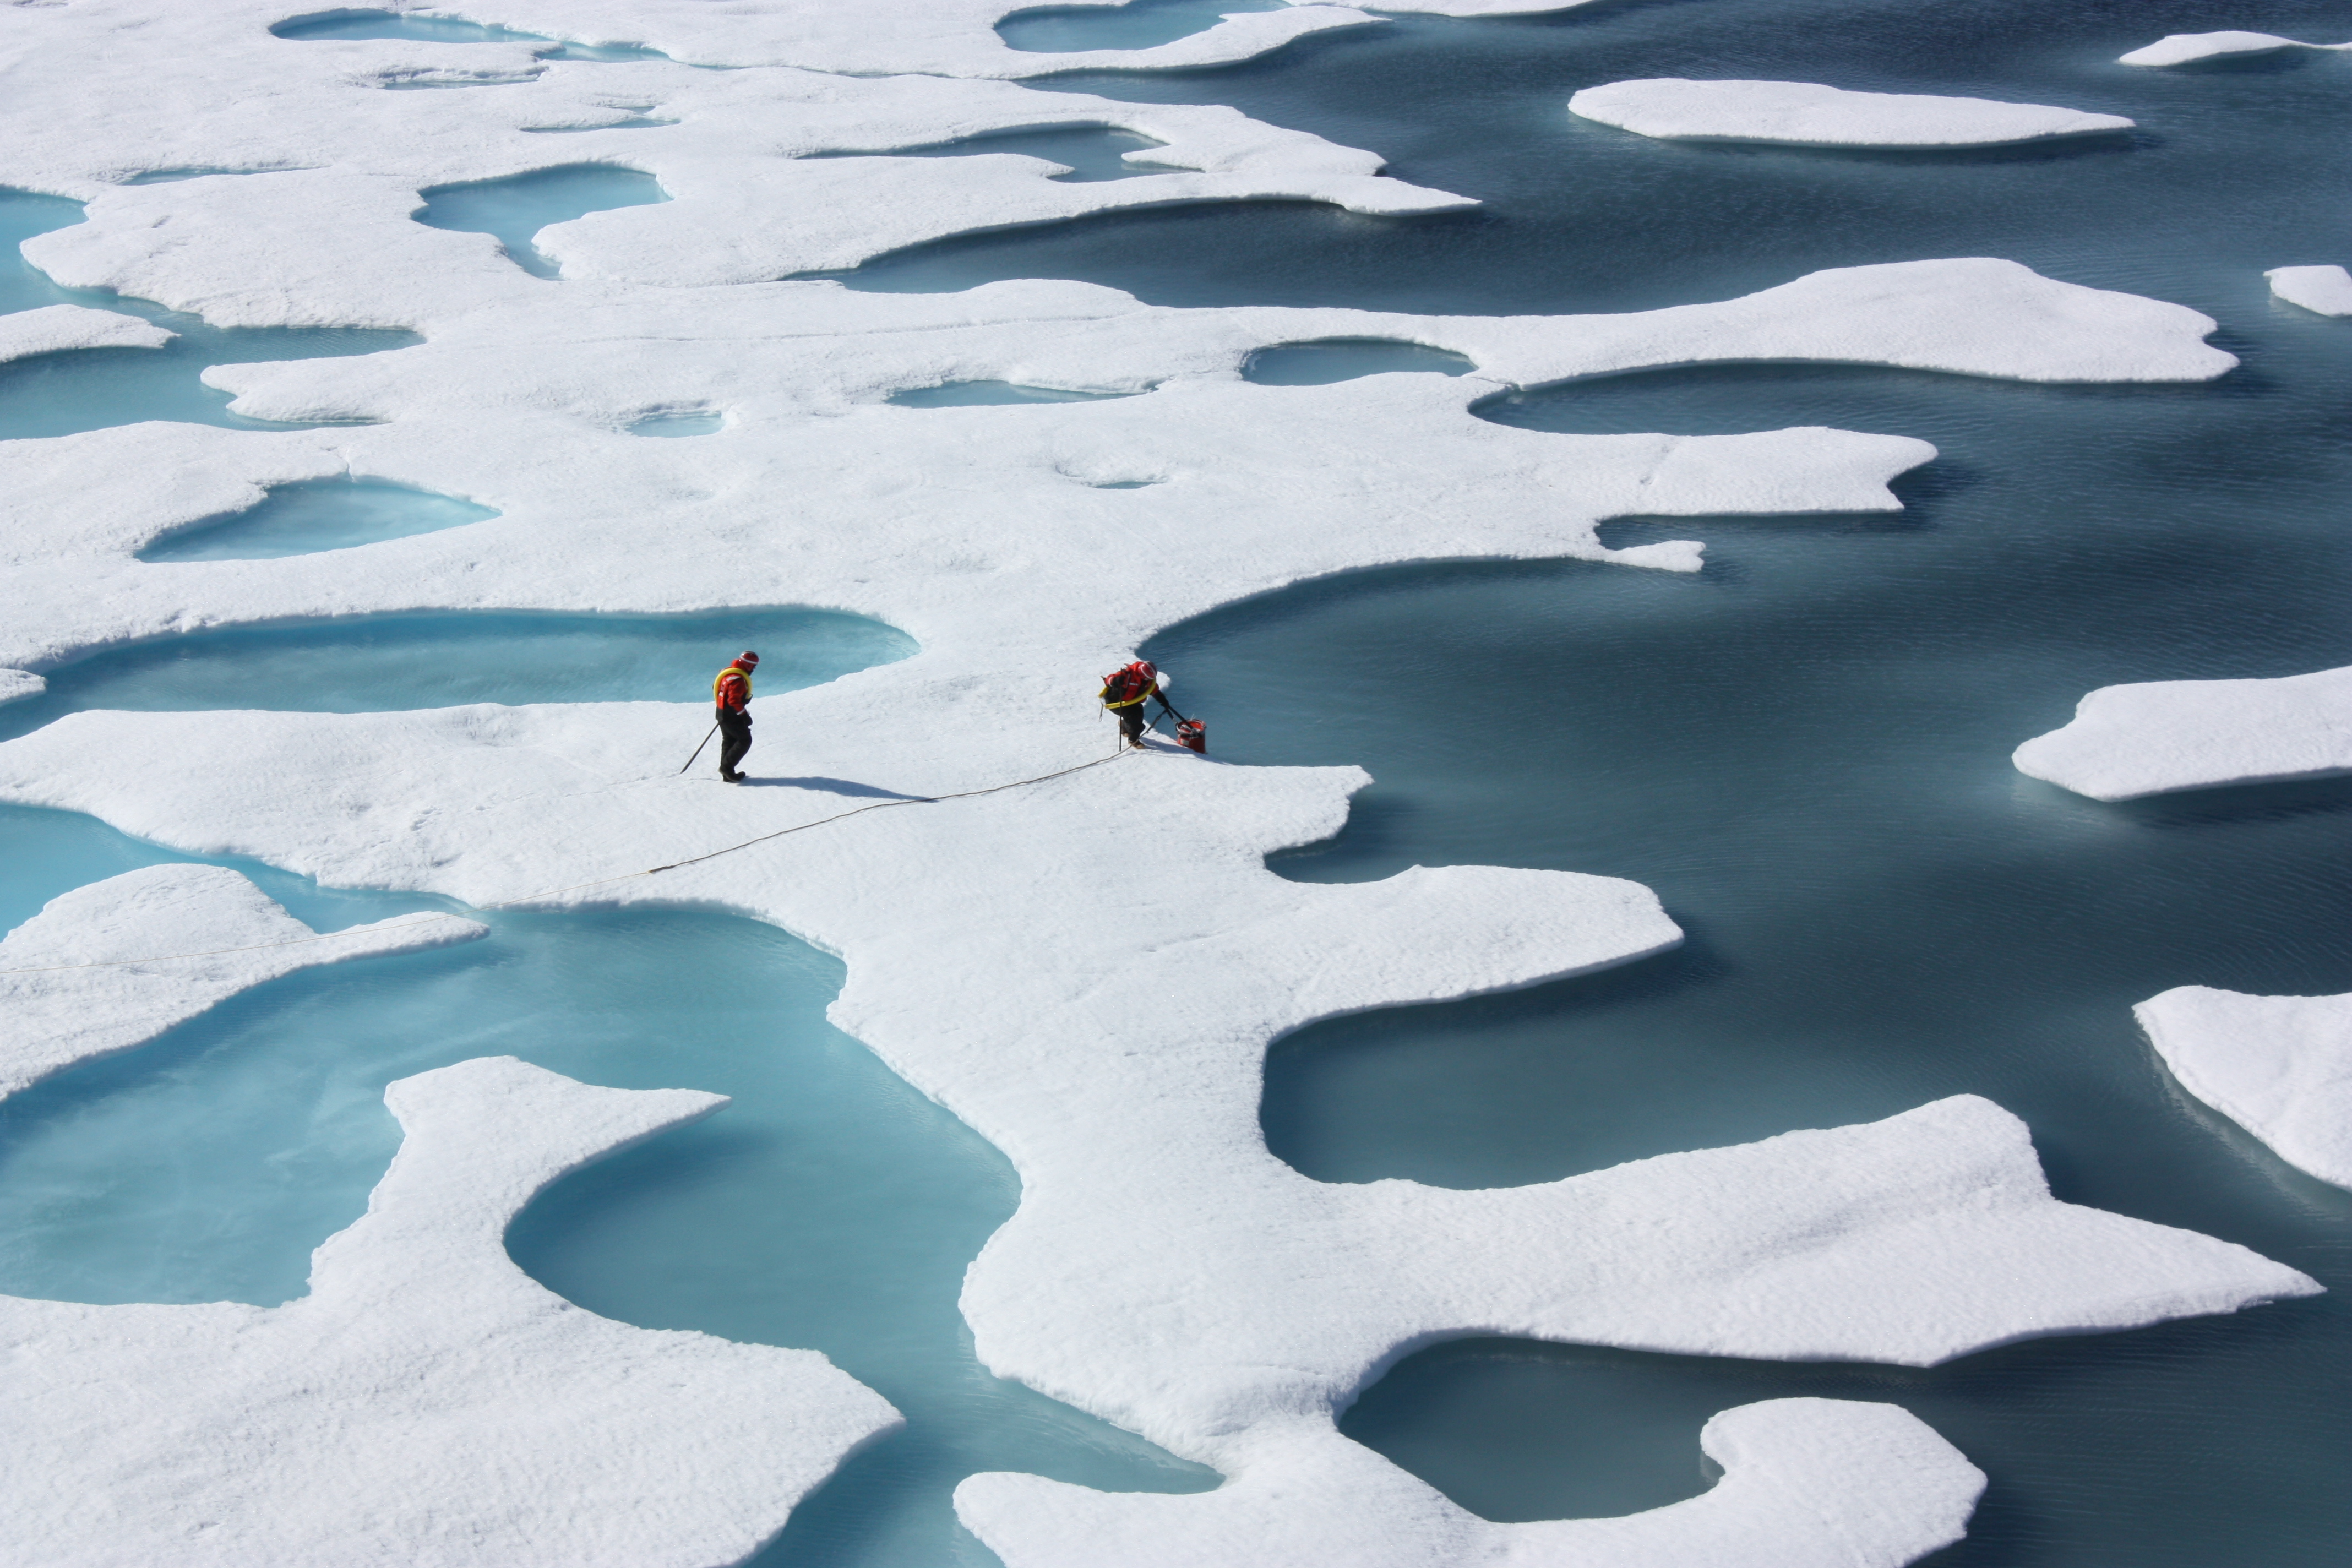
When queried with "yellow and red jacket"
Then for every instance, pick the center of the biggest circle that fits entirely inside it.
(1125, 687)
(732, 689)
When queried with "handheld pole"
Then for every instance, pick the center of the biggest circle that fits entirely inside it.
(697, 749)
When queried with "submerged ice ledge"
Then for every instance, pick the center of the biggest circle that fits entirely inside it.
(2152, 737)
(91, 975)
(2279, 1067)
(1804, 113)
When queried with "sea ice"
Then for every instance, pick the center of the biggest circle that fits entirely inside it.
(1164, 1270)
(426, 1402)
(88, 976)
(55, 329)
(2280, 1067)
(15, 684)
(2154, 736)
(2325, 290)
(2187, 48)
(1809, 114)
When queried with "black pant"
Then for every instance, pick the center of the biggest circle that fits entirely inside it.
(737, 729)
(1131, 722)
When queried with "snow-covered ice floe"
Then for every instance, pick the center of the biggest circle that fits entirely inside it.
(426, 1402)
(1809, 114)
(1163, 1269)
(2154, 736)
(2187, 48)
(55, 329)
(2279, 1067)
(2325, 290)
(15, 684)
(112, 965)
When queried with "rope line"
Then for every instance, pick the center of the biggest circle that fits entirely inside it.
(549, 892)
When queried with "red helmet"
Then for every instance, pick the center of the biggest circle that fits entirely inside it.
(1143, 667)
(748, 659)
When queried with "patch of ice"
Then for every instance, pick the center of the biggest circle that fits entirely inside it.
(56, 328)
(16, 684)
(2154, 736)
(427, 1401)
(81, 979)
(2279, 1067)
(1809, 114)
(1792, 1470)
(2187, 48)
(2327, 291)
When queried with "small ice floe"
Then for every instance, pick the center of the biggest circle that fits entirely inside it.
(109, 966)
(2159, 735)
(54, 329)
(15, 684)
(2279, 1067)
(1805, 113)
(2187, 48)
(2325, 290)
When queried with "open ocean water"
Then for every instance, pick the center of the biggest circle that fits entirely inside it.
(1803, 749)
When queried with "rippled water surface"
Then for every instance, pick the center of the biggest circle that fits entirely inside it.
(1803, 748)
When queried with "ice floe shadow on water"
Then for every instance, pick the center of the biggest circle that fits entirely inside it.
(74, 390)
(1091, 151)
(982, 394)
(831, 1205)
(1330, 360)
(514, 209)
(316, 515)
(325, 26)
(1137, 25)
(377, 664)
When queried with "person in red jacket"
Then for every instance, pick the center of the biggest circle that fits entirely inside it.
(1126, 691)
(732, 691)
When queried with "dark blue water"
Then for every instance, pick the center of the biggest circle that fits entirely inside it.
(1804, 748)
(91, 389)
(513, 210)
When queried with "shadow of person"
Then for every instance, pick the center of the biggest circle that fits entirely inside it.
(835, 786)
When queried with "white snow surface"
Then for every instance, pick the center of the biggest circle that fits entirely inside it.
(2328, 290)
(2154, 736)
(1810, 114)
(2279, 1067)
(113, 964)
(53, 329)
(15, 684)
(1163, 1269)
(427, 1402)
(2187, 48)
